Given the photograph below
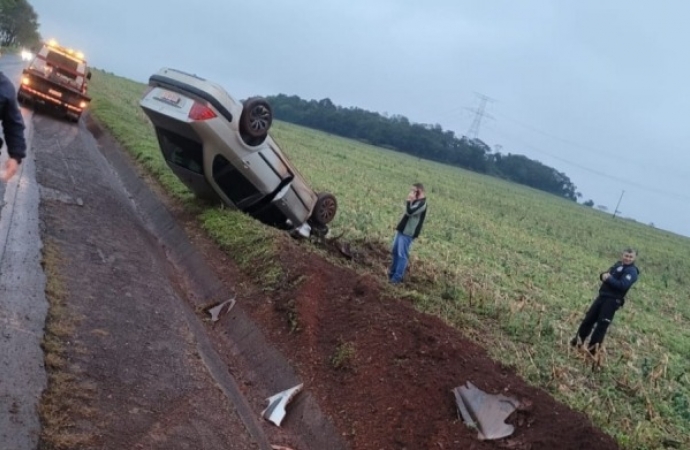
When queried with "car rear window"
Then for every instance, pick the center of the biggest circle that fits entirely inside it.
(181, 151)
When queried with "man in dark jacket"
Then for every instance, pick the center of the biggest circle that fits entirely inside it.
(12, 126)
(407, 230)
(615, 283)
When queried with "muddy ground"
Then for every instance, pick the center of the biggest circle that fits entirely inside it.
(377, 373)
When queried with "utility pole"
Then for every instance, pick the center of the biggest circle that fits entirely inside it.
(479, 114)
(615, 211)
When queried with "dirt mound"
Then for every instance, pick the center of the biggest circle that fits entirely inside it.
(384, 372)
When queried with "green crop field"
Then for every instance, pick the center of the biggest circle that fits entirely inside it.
(514, 268)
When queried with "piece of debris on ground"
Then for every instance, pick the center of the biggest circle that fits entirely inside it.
(275, 411)
(216, 310)
(485, 412)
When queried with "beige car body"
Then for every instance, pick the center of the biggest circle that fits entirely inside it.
(255, 177)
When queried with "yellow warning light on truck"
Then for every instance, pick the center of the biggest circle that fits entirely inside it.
(57, 76)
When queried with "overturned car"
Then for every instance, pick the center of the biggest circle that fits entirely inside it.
(220, 148)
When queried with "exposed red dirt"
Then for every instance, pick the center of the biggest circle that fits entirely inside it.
(383, 371)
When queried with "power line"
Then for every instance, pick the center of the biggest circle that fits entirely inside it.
(587, 148)
(480, 113)
(596, 172)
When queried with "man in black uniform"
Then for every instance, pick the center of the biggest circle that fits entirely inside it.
(12, 127)
(614, 285)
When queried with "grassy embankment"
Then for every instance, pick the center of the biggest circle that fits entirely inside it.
(508, 261)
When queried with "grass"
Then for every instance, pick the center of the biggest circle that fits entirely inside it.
(513, 267)
(344, 355)
(64, 400)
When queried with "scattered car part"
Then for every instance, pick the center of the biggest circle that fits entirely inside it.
(275, 411)
(345, 250)
(304, 231)
(221, 149)
(485, 412)
(216, 310)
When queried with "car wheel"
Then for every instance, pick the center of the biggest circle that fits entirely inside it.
(256, 118)
(325, 208)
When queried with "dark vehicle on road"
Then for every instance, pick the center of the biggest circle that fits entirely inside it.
(57, 77)
(220, 148)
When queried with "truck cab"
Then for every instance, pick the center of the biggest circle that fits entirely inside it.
(57, 77)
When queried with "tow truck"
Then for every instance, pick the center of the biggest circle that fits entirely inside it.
(57, 77)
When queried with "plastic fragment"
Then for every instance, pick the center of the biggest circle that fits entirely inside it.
(275, 411)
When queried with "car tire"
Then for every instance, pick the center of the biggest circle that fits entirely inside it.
(325, 208)
(256, 119)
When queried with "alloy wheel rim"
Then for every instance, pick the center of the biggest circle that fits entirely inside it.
(259, 118)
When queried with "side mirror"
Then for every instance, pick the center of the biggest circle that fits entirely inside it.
(88, 75)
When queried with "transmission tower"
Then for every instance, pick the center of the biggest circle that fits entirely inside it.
(479, 114)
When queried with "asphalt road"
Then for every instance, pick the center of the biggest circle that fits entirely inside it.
(135, 282)
(23, 306)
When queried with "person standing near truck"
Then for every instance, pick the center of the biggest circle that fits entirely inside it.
(13, 128)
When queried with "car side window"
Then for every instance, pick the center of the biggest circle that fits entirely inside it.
(232, 182)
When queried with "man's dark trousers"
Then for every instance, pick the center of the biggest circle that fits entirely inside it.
(600, 314)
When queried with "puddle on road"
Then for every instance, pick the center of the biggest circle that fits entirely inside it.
(53, 194)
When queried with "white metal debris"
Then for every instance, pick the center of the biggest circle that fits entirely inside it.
(485, 412)
(216, 310)
(275, 411)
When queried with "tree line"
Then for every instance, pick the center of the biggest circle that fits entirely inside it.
(426, 141)
(18, 24)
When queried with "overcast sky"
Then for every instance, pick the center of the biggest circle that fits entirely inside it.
(597, 90)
